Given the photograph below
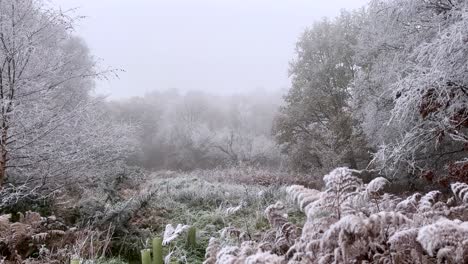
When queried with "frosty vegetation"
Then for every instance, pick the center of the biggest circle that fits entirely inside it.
(351, 222)
(363, 160)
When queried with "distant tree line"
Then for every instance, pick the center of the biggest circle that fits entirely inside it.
(197, 130)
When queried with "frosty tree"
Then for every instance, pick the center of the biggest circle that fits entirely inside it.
(412, 84)
(315, 126)
(51, 129)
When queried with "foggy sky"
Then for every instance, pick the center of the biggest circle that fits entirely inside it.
(219, 46)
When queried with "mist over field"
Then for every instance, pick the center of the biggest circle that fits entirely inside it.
(220, 47)
(229, 132)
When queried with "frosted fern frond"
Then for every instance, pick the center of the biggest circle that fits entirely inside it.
(276, 215)
(315, 227)
(265, 247)
(57, 233)
(248, 252)
(376, 185)
(313, 245)
(452, 201)
(388, 202)
(384, 258)
(211, 251)
(460, 190)
(328, 258)
(281, 246)
(367, 203)
(404, 247)
(302, 196)
(378, 224)
(462, 252)
(340, 185)
(248, 248)
(428, 200)
(350, 224)
(171, 233)
(290, 231)
(40, 237)
(234, 209)
(410, 204)
(228, 254)
(350, 246)
(270, 236)
(459, 212)
(342, 179)
(443, 234)
(285, 232)
(264, 258)
(404, 239)
(438, 210)
(359, 202)
(310, 239)
(285, 238)
(446, 254)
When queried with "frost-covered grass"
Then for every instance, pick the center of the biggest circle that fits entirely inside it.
(199, 200)
(205, 205)
(248, 175)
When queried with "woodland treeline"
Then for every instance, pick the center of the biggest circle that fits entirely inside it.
(198, 130)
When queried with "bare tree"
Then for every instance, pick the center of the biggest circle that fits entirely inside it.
(50, 127)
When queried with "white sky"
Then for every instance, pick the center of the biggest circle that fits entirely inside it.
(220, 46)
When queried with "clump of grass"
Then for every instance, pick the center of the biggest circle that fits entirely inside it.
(202, 204)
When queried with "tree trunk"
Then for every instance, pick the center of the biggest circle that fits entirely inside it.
(3, 153)
(352, 161)
(2, 171)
